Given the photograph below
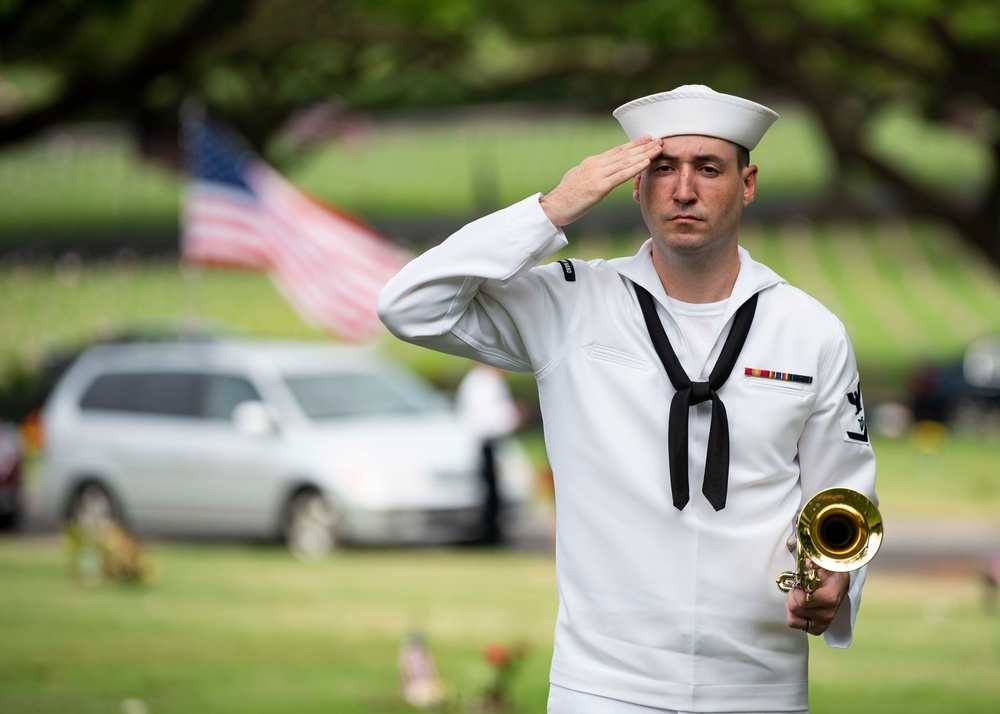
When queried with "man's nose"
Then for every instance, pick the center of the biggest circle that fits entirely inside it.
(684, 191)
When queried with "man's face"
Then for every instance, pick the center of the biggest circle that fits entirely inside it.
(693, 194)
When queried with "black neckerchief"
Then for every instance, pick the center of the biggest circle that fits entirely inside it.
(690, 393)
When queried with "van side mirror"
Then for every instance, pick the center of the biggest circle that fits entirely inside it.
(254, 419)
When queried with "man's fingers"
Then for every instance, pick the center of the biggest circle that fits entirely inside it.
(586, 185)
(627, 155)
(821, 609)
(814, 626)
(618, 165)
(819, 619)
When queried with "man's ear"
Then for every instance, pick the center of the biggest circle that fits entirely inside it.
(749, 184)
(635, 187)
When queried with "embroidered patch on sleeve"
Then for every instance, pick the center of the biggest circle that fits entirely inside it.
(568, 272)
(852, 416)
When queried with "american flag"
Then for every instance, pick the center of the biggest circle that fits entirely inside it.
(240, 212)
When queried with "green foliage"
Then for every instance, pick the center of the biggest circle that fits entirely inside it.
(262, 59)
(22, 390)
(256, 64)
(98, 37)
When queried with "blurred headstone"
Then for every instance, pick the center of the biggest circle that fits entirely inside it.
(892, 420)
(134, 706)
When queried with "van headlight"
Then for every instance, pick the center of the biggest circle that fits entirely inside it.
(358, 482)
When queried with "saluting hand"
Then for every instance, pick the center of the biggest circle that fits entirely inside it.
(825, 602)
(586, 185)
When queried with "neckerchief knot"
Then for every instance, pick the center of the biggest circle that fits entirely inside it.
(700, 392)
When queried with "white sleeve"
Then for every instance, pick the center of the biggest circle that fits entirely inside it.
(834, 450)
(477, 295)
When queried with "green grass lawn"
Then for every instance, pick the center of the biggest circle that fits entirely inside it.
(955, 479)
(249, 629)
(244, 629)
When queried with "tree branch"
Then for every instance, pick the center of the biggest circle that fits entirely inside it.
(125, 87)
(779, 64)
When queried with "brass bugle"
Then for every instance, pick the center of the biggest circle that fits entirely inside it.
(838, 529)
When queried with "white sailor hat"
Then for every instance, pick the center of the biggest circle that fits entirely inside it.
(696, 109)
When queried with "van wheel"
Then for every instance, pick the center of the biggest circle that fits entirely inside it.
(92, 509)
(310, 525)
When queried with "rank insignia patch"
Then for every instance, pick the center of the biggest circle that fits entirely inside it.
(852, 416)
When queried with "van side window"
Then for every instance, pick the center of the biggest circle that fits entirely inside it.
(222, 394)
(170, 394)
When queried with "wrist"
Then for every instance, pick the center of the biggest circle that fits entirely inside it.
(551, 211)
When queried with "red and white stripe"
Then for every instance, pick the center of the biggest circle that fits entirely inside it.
(220, 227)
(327, 265)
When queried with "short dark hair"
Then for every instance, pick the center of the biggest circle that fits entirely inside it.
(742, 157)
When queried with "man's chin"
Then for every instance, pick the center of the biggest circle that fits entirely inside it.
(686, 242)
(691, 248)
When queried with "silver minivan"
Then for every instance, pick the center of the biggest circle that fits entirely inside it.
(309, 442)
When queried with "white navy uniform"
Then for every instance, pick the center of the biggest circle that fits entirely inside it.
(667, 608)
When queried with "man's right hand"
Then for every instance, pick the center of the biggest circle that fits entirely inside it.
(586, 185)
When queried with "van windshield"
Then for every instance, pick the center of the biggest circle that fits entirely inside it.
(335, 396)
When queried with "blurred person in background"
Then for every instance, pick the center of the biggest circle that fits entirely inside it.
(485, 404)
(692, 402)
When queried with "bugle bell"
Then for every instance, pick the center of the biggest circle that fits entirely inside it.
(838, 529)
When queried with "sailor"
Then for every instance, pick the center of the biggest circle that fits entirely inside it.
(692, 401)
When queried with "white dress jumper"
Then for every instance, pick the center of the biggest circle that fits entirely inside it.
(659, 607)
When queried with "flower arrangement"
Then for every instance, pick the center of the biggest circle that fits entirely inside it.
(423, 689)
(109, 553)
(505, 661)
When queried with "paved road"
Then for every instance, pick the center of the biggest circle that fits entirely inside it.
(908, 542)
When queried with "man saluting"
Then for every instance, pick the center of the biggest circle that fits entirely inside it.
(692, 401)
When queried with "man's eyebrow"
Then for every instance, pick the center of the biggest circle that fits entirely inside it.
(700, 158)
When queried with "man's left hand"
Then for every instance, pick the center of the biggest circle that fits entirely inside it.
(823, 606)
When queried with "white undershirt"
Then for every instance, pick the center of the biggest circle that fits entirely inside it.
(700, 324)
